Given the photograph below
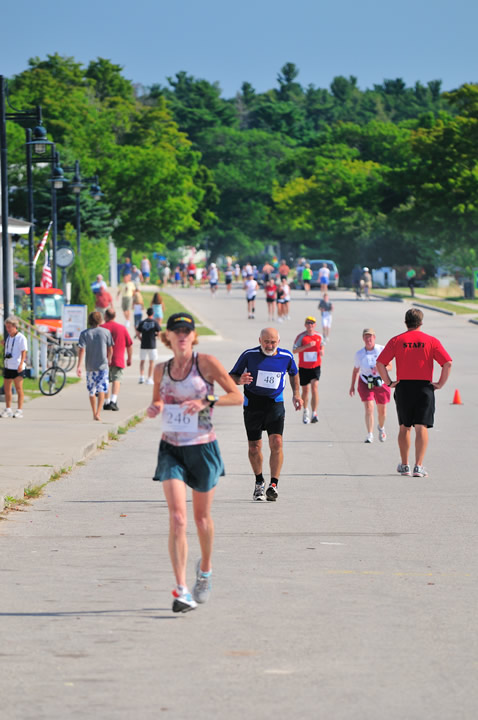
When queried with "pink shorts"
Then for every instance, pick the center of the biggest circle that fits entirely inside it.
(381, 393)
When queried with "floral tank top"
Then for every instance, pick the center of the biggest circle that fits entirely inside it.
(178, 428)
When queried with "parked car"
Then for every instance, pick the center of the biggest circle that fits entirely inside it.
(315, 266)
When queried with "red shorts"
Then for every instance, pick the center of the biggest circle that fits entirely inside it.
(381, 393)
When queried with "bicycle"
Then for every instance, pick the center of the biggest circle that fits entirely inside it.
(53, 379)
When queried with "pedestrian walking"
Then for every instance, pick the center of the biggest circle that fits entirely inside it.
(284, 270)
(103, 301)
(324, 277)
(145, 268)
(125, 291)
(411, 276)
(189, 454)
(262, 371)
(136, 275)
(366, 282)
(213, 276)
(414, 353)
(370, 385)
(157, 303)
(326, 309)
(306, 278)
(138, 307)
(228, 277)
(283, 300)
(122, 343)
(15, 356)
(270, 289)
(147, 331)
(96, 346)
(250, 286)
(309, 346)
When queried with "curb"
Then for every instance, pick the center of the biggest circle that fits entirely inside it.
(436, 309)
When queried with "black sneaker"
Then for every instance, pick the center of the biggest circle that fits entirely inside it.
(113, 406)
(107, 406)
(272, 493)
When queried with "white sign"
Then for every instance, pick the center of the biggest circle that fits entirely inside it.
(268, 379)
(176, 419)
(73, 318)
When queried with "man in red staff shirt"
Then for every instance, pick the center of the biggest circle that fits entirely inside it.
(414, 352)
(122, 342)
(309, 345)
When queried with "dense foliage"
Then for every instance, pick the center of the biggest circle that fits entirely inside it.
(387, 175)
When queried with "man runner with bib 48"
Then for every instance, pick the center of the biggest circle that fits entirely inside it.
(262, 370)
(188, 452)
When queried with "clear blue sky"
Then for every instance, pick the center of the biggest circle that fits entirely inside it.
(231, 42)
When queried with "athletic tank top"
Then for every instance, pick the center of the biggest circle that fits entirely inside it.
(174, 392)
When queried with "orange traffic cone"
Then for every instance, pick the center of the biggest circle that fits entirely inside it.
(457, 398)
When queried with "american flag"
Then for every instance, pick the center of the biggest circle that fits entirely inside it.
(42, 243)
(46, 278)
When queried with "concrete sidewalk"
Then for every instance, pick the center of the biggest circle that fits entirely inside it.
(57, 432)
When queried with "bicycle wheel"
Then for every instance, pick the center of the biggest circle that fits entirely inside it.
(52, 380)
(66, 359)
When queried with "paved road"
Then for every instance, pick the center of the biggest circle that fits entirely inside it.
(352, 597)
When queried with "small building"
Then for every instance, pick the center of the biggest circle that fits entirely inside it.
(384, 277)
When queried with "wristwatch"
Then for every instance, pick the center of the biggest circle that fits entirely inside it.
(211, 399)
(390, 383)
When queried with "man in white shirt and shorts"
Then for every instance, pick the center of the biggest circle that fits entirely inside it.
(15, 349)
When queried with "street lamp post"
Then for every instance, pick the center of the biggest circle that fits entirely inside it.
(77, 185)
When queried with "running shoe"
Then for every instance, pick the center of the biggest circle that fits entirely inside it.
(305, 417)
(149, 381)
(113, 406)
(183, 601)
(382, 435)
(369, 438)
(107, 405)
(7, 413)
(141, 380)
(259, 491)
(272, 493)
(404, 469)
(202, 587)
(18, 414)
(419, 471)
(315, 418)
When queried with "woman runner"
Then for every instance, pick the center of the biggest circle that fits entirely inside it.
(188, 452)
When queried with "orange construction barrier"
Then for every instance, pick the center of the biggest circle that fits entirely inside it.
(457, 398)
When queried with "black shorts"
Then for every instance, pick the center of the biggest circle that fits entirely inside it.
(12, 374)
(228, 281)
(268, 416)
(306, 375)
(415, 401)
(271, 300)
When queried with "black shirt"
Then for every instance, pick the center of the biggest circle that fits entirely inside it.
(148, 329)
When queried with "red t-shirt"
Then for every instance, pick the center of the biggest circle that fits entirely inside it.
(310, 358)
(271, 291)
(414, 352)
(121, 339)
(103, 299)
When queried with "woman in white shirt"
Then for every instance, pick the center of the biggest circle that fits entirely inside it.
(14, 365)
(370, 385)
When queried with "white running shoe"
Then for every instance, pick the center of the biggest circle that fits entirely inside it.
(382, 435)
(18, 414)
(7, 413)
(183, 601)
(149, 381)
(305, 417)
(141, 380)
(369, 438)
(259, 492)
